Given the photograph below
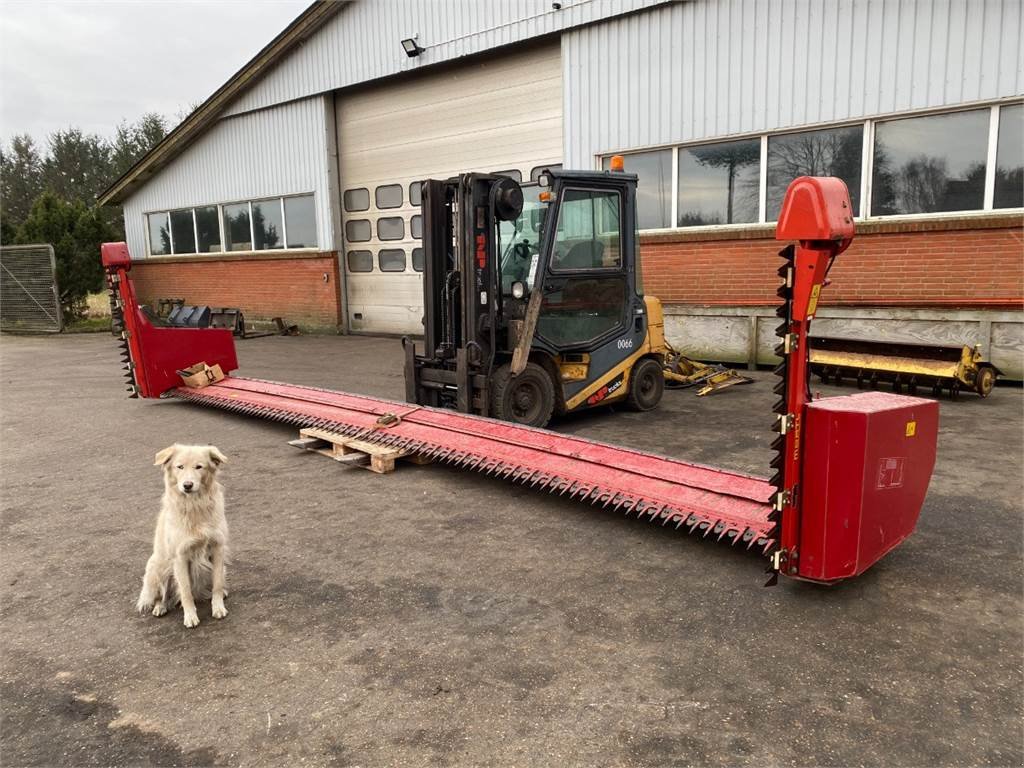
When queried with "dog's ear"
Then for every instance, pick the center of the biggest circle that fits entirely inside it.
(165, 455)
(216, 456)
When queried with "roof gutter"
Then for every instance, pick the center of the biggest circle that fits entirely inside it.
(210, 110)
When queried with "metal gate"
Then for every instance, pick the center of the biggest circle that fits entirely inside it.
(29, 299)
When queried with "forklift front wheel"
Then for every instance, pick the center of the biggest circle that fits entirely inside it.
(647, 386)
(528, 398)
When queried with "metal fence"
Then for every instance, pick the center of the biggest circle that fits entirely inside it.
(29, 298)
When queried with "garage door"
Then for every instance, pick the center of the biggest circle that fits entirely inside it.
(499, 114)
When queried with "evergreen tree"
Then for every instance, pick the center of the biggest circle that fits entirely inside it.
(20, 183)
(75, 231)
(77, 166)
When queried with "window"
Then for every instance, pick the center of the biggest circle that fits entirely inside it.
(831, 152)
(1009, 186)
(358, 230)
(359, 261)
(300, 221)
(416, 226)
(580, 309)
(267, 224)
(931, 163)
(391, 228)
(417, 259)
(415, 193)
(357, 199)
(719, 183)
(159, 234)
(917, 164)
(389, 196)
(588, 231)
(391, 260)
(199, 230)
(237, 231)
(183, 233)
(536, 172)
(208, 229)
(517, 175)
(654, 187)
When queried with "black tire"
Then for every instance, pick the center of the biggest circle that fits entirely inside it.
(984, 380)
(528, 398)
(646, 386)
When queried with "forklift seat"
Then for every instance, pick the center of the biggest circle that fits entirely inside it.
(586, 254)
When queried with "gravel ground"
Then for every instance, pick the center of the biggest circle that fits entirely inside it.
(435, 617)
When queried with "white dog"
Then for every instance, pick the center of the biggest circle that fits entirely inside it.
(190, 546)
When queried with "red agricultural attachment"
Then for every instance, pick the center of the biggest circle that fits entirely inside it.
(851, 472)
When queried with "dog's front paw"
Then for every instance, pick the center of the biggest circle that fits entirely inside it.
(219, 611)
(191, 619)
(143, 605)
(159, 609)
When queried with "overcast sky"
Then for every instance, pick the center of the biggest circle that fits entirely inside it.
(90, 64)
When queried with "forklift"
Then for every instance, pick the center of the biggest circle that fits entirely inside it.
(533, 298)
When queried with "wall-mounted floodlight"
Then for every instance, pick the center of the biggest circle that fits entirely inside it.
(411, 47)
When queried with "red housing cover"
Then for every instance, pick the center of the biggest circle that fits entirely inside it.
(865, 477)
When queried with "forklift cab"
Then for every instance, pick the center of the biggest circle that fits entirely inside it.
(532, 298)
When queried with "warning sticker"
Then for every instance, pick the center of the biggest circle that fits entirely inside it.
(812, 305)
(911, 428)
(890, 473)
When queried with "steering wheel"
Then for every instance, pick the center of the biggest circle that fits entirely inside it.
(523, 250)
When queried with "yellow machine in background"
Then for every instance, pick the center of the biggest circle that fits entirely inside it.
(680, 371)
(908, 366)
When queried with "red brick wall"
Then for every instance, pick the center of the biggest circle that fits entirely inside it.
(966, 261)
(281, 285)
(940, 262)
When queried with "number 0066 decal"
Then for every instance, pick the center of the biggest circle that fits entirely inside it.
(624, 343)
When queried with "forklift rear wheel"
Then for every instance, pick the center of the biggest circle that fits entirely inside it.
(648, 385)
(526, 399)
(984, 380)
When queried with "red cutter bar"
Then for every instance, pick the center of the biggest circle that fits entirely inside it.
(851, 473)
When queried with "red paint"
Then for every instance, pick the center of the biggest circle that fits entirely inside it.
(823, 235)
(866, 480)
(158, 353)
(816, 208)
(481, 251)
(728, 504)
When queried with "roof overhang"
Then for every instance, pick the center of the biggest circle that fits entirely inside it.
(207, 113)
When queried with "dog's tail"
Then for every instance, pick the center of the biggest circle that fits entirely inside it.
(201, 572)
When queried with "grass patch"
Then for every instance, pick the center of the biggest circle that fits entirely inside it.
(89, 325)
(97, 316)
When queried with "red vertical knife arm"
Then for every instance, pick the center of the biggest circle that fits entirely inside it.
(808, 266)
(816, 212)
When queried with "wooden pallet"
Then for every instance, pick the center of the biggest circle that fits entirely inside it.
(358, 453)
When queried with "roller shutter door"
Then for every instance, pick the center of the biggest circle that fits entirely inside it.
(496, 114)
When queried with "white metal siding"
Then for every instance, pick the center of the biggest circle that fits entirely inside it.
(277, 151)
(710, 68)
(499, 114)
(363, 41)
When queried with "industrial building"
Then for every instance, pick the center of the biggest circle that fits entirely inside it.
(293, 190)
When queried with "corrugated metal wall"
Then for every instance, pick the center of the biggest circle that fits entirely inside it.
(708, 68)
(278, 151)
(363, 42)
